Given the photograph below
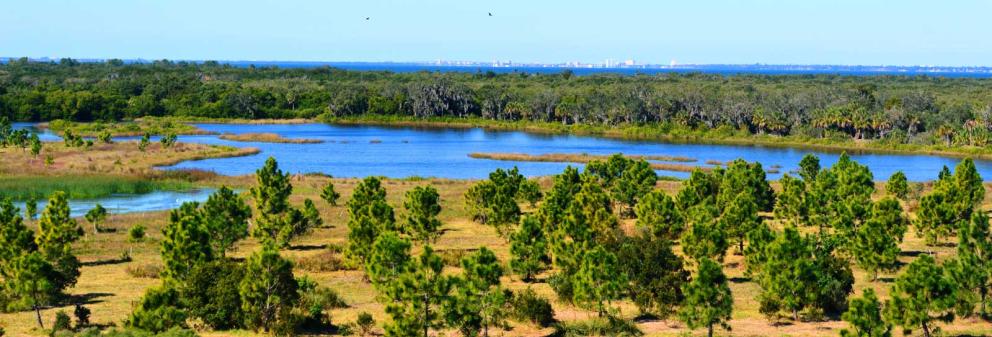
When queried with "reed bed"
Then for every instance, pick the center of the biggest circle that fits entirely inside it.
(266, 137)
(585, 158)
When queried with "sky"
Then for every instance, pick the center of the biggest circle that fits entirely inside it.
(846, 32)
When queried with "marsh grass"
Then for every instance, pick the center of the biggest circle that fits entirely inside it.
(267, 137)
(83, 187)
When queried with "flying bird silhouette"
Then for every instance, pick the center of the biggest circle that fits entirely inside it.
(490, 13)
(366, 18)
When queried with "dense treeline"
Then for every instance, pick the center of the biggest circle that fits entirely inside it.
(918, 110)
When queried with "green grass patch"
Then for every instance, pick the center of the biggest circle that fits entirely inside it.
(83, 187)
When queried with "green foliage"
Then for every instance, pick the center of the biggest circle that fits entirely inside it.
(159, 310)
(57, 230)
(609, 325)
(15, 238)
(136, 233)
(268, 291)
(655, 272)
(96, 216)
(478, 301)
(31, 208)
(105, 137)
(185, 242)
(389, 259)
(422, 206)
(875, 243)
(225, 217)
(921, 296)
(494, 201)
(168, 140)
(740, 217)
(800, 274)
(329, 194)
(529, 249)
(417, 297)
(82, 315)
(528, 306)
(865, 316)
(791, 203)
(628, 180)
(742, 177)
(365, 323)
(82, 186)
(898, 186)
(708, 301)
(705, 236)
(368, 216)
(809, 167)
(599, 279)
(950, 203)
(277, 220)
(62, 321)
(658, 213)
(143, 143)
(210, 293)
(701, 188)
(33, 282)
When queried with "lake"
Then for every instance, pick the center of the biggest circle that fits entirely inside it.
(130, 203)
(359, 151)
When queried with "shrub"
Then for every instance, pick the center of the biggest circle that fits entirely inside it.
(365, 324)
(531, 307)
(144, 271)
(62, 322)
(82, 315)
(600, 326)
(325, 261)
(136, 233)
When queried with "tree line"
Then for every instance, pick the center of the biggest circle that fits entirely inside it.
(896, 109)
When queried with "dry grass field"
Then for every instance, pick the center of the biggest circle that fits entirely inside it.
(111, 286)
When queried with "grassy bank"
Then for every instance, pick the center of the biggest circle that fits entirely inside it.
(267, 138)
(585, 158)
(138, 127)
(83, 187)
(670, 133)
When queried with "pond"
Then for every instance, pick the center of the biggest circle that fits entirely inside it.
(359, 151)
(133, 203)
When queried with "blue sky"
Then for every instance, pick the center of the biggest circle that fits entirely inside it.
(908, 32)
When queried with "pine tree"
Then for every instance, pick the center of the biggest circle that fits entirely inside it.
(739, 218)
(418, 296)
(95, 216)
(274, 221)
(422, 206)
(226, 218)
(529, 249)
(700, 188)
(657, 212)
(704, 238)
(143, 143)
(898, 186)
(389, 260)
(742, 177)
(479, 302)
(922, 295)
(865, 316)
(599, 279)
(809, 167)
(791, 203)
(655, 272)
(368, 216)
(972, 267)
(268, 289)
(15, 238)
(628, 180)
(185, 242)
(34, 281)
(35, 145)
(57, 230)
(31, 208)
(329, 194)
(875, 243)
(708, 301)
(494, 201)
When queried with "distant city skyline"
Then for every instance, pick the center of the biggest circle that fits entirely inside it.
(840, 32)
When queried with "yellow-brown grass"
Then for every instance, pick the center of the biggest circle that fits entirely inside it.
(266, 137)
(113, 291)
(115, 158)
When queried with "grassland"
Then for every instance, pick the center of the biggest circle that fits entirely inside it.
(267, 138)
(110, 285)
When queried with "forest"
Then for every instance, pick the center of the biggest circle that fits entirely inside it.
(920, 110)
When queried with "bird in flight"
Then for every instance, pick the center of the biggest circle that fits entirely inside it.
(367, 18)
(490, 13)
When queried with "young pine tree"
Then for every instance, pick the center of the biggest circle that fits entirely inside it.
(529, 249)
(708, 301)
(226, 218)
(922, 295)
(865, 316)
(422, 206)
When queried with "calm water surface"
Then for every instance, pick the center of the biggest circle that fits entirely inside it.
(359, 151)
